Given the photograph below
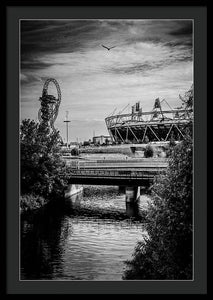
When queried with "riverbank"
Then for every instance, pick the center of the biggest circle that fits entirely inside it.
(85, 204)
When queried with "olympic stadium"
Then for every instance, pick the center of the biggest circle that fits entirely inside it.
(156, 125)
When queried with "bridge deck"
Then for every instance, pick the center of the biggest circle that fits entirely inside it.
(118, 164)
(117, 173)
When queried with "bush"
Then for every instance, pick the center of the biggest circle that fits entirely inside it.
(31, 202)
(43, 172)
(148, 152)
(75, 152)
(167, 251)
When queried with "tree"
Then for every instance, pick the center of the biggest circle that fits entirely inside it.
(149, 152)
(167, 251)
(188, 98)
(43, 172)
(75, 151)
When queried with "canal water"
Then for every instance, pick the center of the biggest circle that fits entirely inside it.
(86, 237)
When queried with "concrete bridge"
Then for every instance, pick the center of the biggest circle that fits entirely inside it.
(132, 173)
(95, 176)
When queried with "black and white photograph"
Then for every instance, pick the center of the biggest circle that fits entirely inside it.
(106, 149)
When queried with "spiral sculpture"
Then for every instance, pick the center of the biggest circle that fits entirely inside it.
(48, 111)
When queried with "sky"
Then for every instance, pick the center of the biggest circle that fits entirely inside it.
(151, 59)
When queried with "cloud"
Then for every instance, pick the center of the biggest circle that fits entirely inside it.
(28, 78)
(35, 65)
(57, 36)
(152, 58)
(146, 67)
(185, 29)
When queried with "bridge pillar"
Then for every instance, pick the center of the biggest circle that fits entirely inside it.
(72, 189)
(121, 189)
(132, 209)
(132, 194)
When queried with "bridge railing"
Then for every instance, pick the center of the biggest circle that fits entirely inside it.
(157, 163)
(144, 174)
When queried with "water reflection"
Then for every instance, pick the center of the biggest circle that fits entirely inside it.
(87, 238)
(41, 243)
(132, 209)
(104, 202)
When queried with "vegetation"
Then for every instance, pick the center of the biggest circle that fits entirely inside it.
(166, 252)
(75, 152)
(148, 151)
(31, 202)
(43, 172)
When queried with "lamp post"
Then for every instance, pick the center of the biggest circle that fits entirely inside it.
(67, 121)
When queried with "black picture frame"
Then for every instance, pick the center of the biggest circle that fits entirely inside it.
(199, 14)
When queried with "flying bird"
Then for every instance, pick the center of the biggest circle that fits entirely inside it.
(108, 48)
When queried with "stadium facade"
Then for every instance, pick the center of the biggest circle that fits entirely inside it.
(153, 126)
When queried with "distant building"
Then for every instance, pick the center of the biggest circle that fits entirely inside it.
(70, 145)
(74, 144)
(87, 143)
(102, 139)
